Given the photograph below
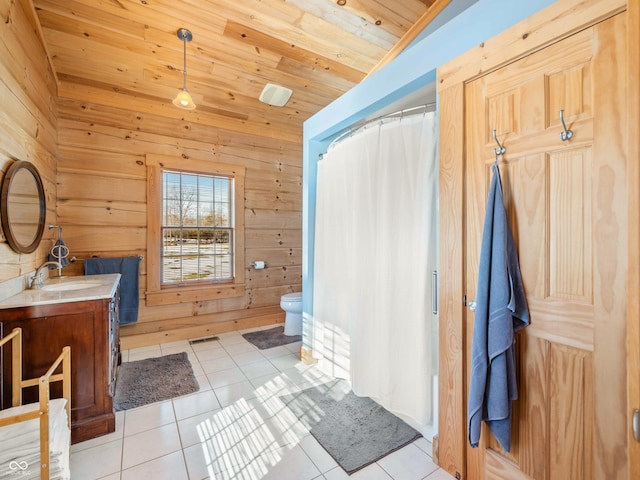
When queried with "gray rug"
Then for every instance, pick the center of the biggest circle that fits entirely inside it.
(355, 431)
(152, 380)
(273, 337)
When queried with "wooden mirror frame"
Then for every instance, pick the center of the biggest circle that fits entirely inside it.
(5, 213)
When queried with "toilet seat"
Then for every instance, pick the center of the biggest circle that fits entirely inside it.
(292, 297)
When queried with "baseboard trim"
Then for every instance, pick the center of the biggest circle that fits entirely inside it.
(197, 331)
(306, 355)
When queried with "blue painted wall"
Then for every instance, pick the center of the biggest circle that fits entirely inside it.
(411, 70)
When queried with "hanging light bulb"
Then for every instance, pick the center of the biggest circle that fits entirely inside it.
(183, 99)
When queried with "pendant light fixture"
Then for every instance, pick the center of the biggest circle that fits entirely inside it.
(183, 99)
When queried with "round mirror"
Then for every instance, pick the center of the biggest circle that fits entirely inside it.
(23, 207)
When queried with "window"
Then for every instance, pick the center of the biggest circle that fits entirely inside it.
(197, 227)
(195, 230)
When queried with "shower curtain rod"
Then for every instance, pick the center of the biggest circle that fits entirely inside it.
(399, 113)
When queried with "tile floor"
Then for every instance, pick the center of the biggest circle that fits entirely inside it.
(235, 427)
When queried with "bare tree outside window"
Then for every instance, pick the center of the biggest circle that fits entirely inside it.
(197, 228)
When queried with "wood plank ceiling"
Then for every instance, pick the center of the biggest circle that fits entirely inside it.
(318, 48)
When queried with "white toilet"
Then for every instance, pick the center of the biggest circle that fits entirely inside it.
(291, 303)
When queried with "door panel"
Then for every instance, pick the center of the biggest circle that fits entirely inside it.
(566, 203)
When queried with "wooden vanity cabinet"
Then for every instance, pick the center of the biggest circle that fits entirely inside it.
(90, 328)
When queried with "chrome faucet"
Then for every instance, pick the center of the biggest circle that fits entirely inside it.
(36, 281)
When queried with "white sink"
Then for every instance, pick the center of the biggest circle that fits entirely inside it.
(64, 287)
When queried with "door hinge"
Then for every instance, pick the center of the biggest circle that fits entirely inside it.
(636, 425)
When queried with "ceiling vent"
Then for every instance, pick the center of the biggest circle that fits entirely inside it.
(275, 95)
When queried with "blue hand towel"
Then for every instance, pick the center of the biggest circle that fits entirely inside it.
(128, 268)
(501, 310)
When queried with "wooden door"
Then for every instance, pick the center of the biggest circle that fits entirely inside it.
(567, 206)
(633, 154)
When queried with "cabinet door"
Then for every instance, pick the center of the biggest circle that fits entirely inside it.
(82, 326)
(566, 203)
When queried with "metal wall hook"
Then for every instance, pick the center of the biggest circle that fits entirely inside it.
(501, 150)
(565, 134)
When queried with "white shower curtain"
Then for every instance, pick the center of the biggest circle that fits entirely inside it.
(375, 250)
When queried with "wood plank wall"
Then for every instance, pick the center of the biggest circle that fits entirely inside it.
(28, 119)
(89, 144)
(102, 204)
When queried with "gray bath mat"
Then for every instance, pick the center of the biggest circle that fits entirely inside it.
(152, 380)
(355, 431)
(273, 337)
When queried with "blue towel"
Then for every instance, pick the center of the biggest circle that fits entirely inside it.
(127, 267)
(501, 310)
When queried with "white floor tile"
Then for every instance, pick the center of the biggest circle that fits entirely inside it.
(229, 394)
(239, 348)
(408, 463)
(288, 464)
(176, 347)
(285, 361)
(210, 366)
(425, 445)
(197, 369)
(194, 430)
(267, 381)
(296, 377)
(149, 445)
(370, 472)
(113, 476)
(195, 404)
(258, 369)
(246, 358)
(85, 464)
(318, 455)
(211, 355)
(146, 352)
(199, 463)
(203, 382)
(226, 377)
(294, 347)
(439, 475)
(275, 352)
(168, 467)
(148, 417)
(313, 376)
(285, 430)
(265, 406)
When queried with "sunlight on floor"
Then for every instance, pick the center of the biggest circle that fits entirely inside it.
(245, 440)
(236, 426)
